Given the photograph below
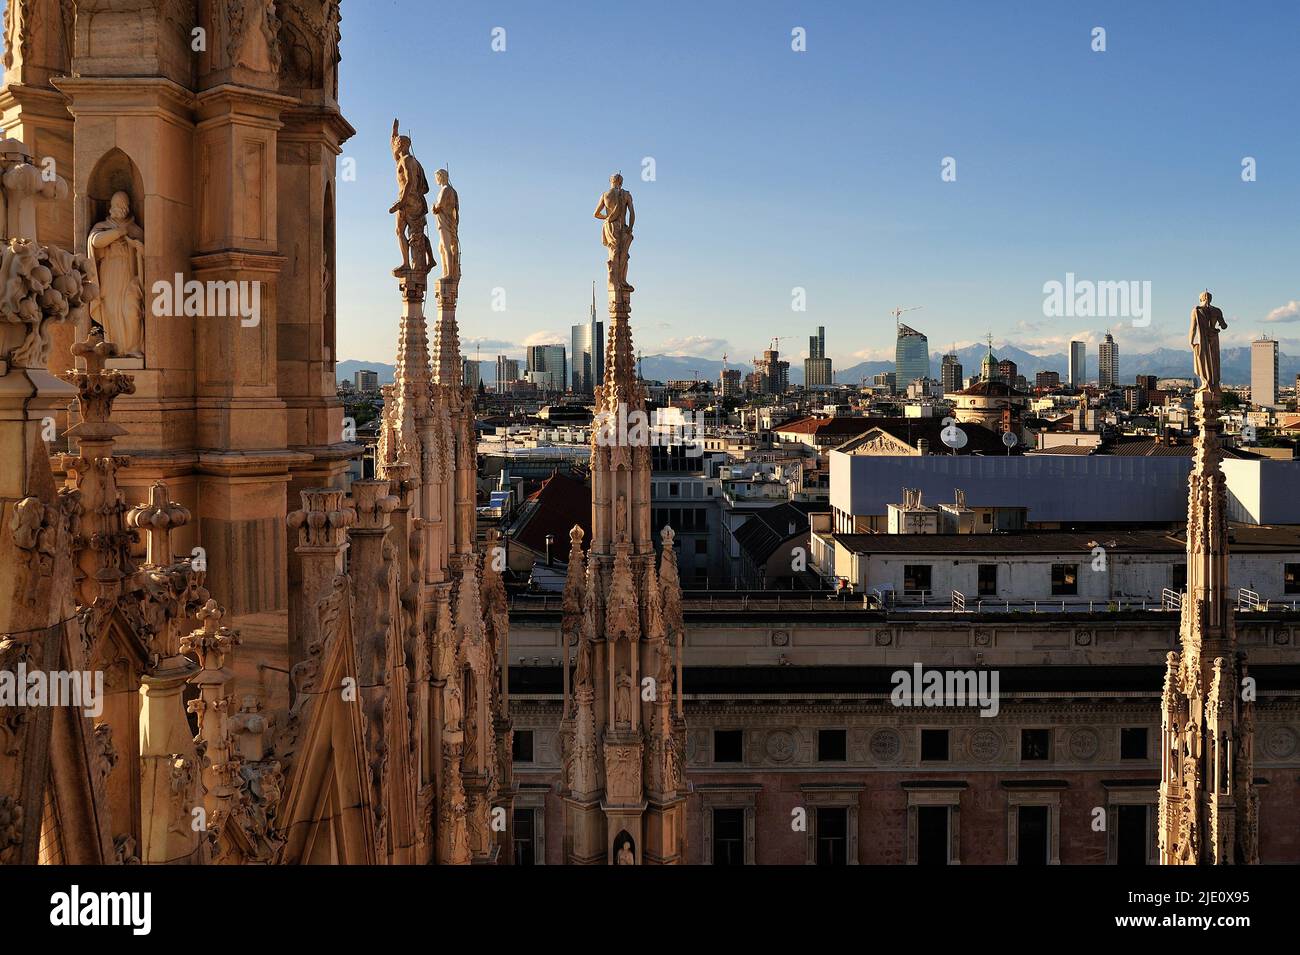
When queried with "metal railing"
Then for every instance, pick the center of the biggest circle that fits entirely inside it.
(1249, 600)
(958, 602)
(1171, 600)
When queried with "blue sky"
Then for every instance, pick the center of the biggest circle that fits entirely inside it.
(821, 169)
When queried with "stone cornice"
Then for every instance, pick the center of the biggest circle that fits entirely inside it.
(119, 96)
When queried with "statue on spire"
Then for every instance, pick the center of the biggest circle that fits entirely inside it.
(1203, 336)
(446, 208)
(616, 210)
(411, 207)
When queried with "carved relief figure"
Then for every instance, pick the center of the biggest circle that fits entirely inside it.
(411, 207)
(616, 210)
(1203, 336)
(116, 248)
(447, 210)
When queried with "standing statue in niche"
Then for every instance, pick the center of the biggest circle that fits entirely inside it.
(411, 207)
(116, 249)
(1203, 336)
(623, 700)
(625, 854)
(447, 210)
(615, 208)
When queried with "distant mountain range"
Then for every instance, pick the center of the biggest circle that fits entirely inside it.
(1162, 362)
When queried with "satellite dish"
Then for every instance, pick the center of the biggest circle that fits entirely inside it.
(1009, 439)
(954, 437)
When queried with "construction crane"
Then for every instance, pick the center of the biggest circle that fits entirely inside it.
(899, 310)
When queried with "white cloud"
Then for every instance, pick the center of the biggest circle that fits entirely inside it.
(1290, 312)
(544, 338)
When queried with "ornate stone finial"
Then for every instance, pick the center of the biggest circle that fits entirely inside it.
(212, 642)
(323, 520)
(616, 211)
(158, 519)
(412, 211)
(39, 287)
(372, 504)
(97, 388)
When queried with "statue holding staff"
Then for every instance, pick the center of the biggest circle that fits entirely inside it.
(411, 207)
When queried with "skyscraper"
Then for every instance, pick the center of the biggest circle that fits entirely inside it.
(1263, 373)
(1108, 363)
(366, 380)
(587, 353)
(507, 373)
(1078, 372)
(817, 367)
(911, 356)
(473, 373)
(773, 374)
(950, 373)
(547, 368)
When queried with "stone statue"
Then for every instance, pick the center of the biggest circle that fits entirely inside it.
(623, 699)
(1203, 336)
(116, 249)
(583, 675)
(411, 207)
(451, 718)
(615, 208)
(447, 209)
(625, 854)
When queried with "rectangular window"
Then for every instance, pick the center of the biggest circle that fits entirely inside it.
(1034, 744)
(832, 835)
(523, 746)
(988, 580)
(932, 835)
(702, 546)
(832, 746)
(1291, 578)
(1179, 582)
(934, 746)
(674, 489)
(1065, 580)
(1134, 835)
(728, 746)
(1133, 743)
(916, 579)
(728, 837)
(1031, 835)
(525, 838)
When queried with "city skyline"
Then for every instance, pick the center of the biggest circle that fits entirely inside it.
(972, 252)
